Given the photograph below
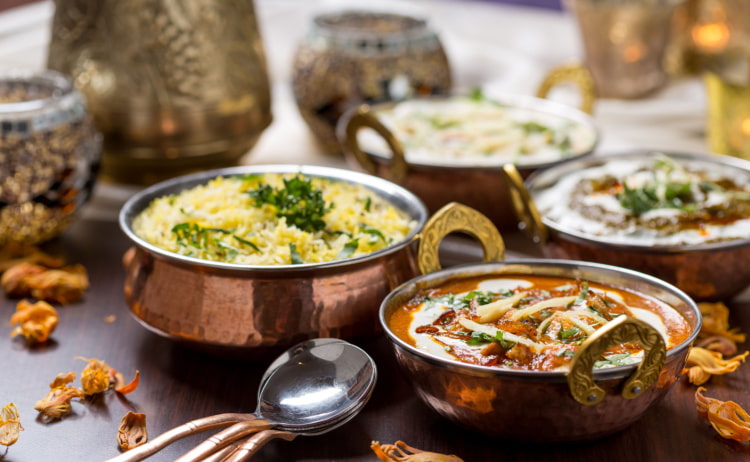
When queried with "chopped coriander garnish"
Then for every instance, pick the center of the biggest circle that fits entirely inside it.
(294, 255)
(298, 201)
(349, 248)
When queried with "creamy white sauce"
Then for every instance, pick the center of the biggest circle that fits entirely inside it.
(427, 313)
(461, 131)
(554, 205)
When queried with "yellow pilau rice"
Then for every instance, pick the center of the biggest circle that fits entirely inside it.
(222, 221)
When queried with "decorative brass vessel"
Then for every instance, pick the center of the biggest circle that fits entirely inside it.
(173, 86)
(352, 57)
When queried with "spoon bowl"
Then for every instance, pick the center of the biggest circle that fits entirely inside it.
(315, 383)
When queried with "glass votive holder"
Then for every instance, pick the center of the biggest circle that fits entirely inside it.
(624, 43)
(728, 90)
(351, 57)
(49, 155)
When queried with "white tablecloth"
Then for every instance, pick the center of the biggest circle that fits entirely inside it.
(502, 48)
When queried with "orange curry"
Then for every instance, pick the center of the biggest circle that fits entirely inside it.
(527, 322)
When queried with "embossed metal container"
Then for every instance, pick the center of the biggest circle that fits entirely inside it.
(351, 57)
(173, 86)
(479, 186)
(49, 155)
(549, 406)
(255, 310)
(710, 271)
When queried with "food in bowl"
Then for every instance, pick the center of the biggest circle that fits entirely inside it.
(581, 402)
(527, 322)
(656, 200)
(273, 219)
(478, 131)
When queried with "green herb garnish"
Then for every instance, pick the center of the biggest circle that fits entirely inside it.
(246, 242)
(294, 255)
(349, 248)
(298, 201)
(621, 359)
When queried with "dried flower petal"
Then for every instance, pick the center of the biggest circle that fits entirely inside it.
(120, 385)
(716, 322)
(727, 417)
(57, 402)
(10, 424)
(64, 285)
(705, 363)
(63, 379)
(95, 377)
(718, 343)
(35, 322)
(14, 278)
(402, 452)
(132, 431)
(14, 253)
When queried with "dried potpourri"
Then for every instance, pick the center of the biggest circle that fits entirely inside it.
(715, 340)
(14, 253)
(99, 377)
(702, 364)
(132, 431)
(10, 424)
(728, 418)
(402, 452)
(57, 402)
(35, 322)
(64, 285)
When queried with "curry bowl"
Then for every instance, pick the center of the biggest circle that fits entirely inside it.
(574, 393)
(683, 218)
(201, 293)
(452, 148)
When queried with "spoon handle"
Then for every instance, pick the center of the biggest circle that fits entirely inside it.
(186, 429)
(223, 439)
(245, 450)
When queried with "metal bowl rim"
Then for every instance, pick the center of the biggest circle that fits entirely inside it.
(591, 161)
(384, 188)
(525, 102)
(477, 269)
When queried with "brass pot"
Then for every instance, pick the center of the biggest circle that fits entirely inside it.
(173, 86)
(350, 57)
(478, 186)
(710, 271)
(549, 406)
(255, 310)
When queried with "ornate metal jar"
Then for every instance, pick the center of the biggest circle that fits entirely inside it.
(351, 57)
(49, 155)
(173, 86)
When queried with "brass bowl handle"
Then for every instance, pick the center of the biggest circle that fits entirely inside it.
(524, 205)
(623, 329)
(364, 118)
(578, 75)
(455, 217)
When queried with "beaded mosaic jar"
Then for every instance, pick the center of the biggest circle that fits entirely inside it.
(49, 155)
(358, 56)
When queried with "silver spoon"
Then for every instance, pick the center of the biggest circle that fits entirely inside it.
(314, 386)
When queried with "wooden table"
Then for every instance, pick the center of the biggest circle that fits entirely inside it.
(179, 384)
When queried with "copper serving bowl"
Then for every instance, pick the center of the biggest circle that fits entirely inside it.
(255, 310)
(549, 406)
(710, 271)
(480, 186)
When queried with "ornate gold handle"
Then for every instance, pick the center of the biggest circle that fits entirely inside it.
(455, 217)
(578, 75)
(524, 205)
(364, 118)
(621, 330)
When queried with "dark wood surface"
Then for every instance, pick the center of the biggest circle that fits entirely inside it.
(179, 384)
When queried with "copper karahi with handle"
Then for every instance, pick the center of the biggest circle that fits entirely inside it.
(549, 406)
(253, 310)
